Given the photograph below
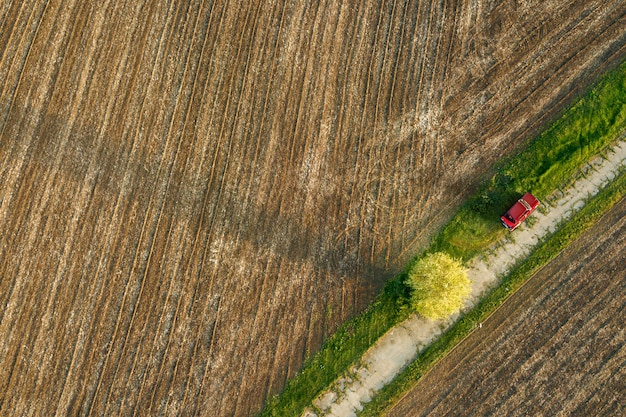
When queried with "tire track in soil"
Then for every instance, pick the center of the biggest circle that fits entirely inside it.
(144, 38)
(245, 81)
(344, 39)
(27, 304)
(169, 237)
(314, 168)
(283, 203)
(422, 117)
(15, 173)
(18, 76)
(398, 154)
(209, 305)
(445, 44)
(163, 203)
(236, 85)
(252, 366)
(195, 355)
(198, 273)
(378, 110)
(86, 192)
(103, 259)
(187, 283)
(96, 285)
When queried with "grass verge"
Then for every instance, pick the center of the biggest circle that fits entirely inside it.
(568, 232)
(548, 163)
(341, 350)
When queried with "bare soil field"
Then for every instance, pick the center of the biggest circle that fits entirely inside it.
(556, 347)
(194, 194)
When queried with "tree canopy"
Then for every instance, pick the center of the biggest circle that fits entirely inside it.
(439, 285)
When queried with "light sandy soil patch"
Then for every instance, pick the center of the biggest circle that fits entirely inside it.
(400, 345)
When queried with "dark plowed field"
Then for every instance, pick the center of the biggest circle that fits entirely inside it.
(557, 347)
(194, 194)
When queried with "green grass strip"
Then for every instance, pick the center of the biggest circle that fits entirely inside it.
(549, 162)
(341, 350)
(389, 395)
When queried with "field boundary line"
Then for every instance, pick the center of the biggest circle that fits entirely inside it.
(423, 365)
(407, 339)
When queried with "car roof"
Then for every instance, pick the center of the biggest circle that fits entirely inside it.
(517, 210)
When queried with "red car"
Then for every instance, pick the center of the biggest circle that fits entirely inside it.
(520, 211)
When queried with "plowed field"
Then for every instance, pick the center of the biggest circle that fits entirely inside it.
(193, 194)
(557, 347)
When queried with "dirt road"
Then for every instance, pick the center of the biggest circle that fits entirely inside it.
(400, 345)
(557, 347)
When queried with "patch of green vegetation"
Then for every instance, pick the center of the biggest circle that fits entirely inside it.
(469, 233)
(548, 163)
(342, 349)
(439, 286)
(569, 231)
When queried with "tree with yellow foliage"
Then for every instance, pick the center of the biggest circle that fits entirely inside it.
(439, 285)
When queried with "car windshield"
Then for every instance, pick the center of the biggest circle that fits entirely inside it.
(525, 204)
